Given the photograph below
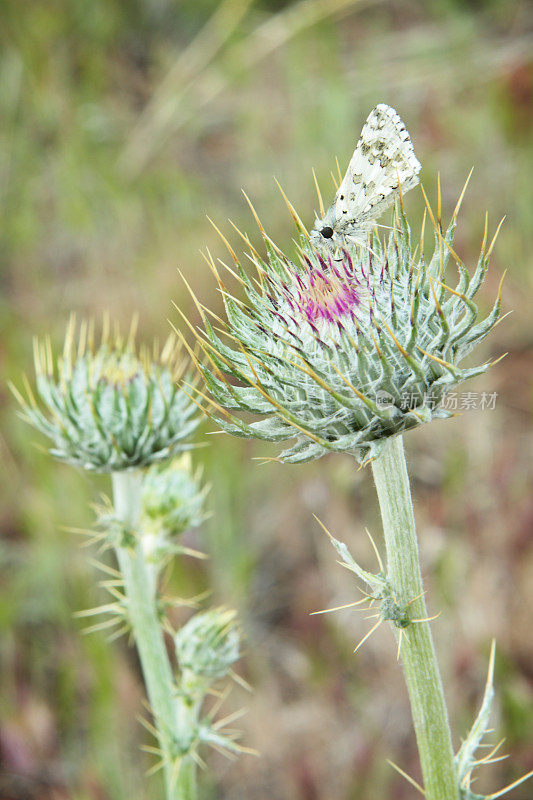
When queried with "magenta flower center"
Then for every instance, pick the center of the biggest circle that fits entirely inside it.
(329, 291)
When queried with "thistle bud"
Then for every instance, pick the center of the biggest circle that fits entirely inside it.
(109, 407)
(172, 501)
(340, 350)
(208, 644)
(172, 497)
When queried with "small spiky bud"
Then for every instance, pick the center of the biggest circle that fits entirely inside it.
(172, 498)
(208, 644)
(341, 350)
(172, 501)
(109, 407)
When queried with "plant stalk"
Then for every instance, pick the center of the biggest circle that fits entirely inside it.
(171, 715)
(419, 660)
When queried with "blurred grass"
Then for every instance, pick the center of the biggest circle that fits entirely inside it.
(123, 125)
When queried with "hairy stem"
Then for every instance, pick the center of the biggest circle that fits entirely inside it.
(171, 715)
(420, 665)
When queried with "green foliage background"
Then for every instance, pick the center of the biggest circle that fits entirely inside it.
(122, 125)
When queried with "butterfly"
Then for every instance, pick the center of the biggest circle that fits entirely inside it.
(383, 160)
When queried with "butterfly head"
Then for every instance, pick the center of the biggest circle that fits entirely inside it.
(324, 234)
(332, 238)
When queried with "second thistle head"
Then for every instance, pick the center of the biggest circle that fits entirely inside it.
(108, 406)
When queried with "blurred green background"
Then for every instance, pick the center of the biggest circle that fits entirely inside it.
(125, 122)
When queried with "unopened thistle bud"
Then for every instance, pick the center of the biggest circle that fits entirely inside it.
(172, 497)
(208, 644)
(340, 350)
(109, 407)
(172, 501)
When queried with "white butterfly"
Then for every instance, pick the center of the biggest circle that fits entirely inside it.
(384, 157)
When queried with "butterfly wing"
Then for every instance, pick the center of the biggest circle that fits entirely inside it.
(384, 157)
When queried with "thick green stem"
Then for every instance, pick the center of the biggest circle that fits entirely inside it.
(171, 715)
(420, 665)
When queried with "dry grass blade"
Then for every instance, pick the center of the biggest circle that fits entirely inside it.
(172, 105)
(162, 110)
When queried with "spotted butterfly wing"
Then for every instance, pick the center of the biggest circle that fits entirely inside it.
(383, 159)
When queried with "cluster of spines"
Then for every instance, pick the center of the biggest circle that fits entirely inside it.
(210, 730)
(378, 592)
(111, 340)
(110, 533)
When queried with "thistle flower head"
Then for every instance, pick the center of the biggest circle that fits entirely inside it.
(340, 350)
(109, 407)
(208, 644)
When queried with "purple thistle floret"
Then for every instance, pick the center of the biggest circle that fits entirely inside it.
(328, 290)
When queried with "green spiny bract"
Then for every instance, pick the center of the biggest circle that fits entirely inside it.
(107, 407)
(468, 759)
(340, 351)
(208, 645)
(378, 586)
